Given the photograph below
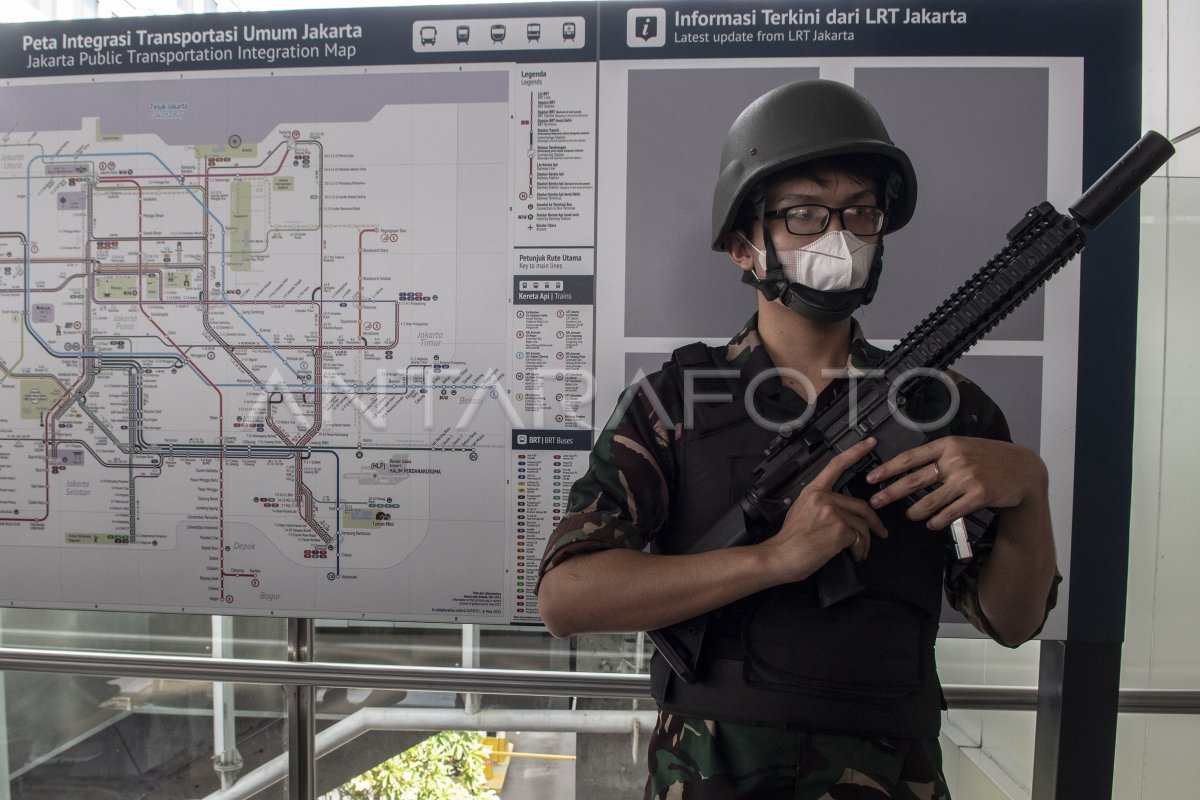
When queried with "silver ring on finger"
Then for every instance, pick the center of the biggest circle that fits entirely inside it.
(937, 473)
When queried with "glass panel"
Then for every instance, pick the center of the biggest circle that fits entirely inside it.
(609, 764)
(526, 754)
(1156, 756)
(973, 772)
(157, 634)
(351, 742)
(122, 738)
(440, 645)
(1002, 739)
(394, 643)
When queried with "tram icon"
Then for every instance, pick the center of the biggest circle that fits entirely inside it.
(498, 33)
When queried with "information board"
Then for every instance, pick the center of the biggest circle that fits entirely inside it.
(315, 313)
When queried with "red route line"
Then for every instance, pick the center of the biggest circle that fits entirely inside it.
(302, 490)
(141, 272)
(304, 502)
(220, 398)
(275, 427)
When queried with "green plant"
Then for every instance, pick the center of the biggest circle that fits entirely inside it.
(446, 766)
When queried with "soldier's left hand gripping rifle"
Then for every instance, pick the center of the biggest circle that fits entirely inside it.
(849, 411)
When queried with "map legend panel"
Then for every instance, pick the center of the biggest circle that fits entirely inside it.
(544, 465)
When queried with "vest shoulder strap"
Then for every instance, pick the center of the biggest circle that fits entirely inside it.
(693, 356)
(718, 400)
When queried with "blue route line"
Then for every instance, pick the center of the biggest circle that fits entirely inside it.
(169, 354)
(373, 388)
(363, 386)
(118, 358)
(250, 451)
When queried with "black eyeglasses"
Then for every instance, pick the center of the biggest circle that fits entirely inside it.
(810, 219)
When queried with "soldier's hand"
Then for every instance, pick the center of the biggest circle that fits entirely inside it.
(963, 474)
(822, 522)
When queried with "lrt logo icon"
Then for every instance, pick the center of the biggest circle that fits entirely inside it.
(646, 27)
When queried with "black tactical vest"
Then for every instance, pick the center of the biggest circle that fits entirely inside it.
(863, 666)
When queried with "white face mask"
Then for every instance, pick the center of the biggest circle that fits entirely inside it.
(837, 261)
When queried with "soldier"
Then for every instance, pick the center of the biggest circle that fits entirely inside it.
(795, 700)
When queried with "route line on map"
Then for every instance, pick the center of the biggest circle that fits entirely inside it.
(146, 273)
(180, 180)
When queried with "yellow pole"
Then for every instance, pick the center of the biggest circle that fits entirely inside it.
(548, 756)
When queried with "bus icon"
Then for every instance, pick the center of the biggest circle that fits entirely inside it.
(428, 35)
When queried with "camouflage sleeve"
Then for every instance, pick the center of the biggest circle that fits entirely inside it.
(978, 415)
(622, 500)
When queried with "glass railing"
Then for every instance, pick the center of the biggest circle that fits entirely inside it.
(127, 705)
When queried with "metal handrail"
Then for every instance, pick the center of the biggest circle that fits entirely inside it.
(329, 673)
(483, 681)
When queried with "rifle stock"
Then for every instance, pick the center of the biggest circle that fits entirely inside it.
(1038, 247)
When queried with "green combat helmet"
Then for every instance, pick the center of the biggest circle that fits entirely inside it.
(789, 125)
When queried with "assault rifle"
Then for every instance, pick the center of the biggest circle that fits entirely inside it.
(845, 414)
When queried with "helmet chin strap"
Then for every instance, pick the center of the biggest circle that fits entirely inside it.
(814, 304)
(774, 283)
(822, 306)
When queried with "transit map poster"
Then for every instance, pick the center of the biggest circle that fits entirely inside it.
(316, 313)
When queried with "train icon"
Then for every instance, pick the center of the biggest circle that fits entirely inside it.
(471, 32)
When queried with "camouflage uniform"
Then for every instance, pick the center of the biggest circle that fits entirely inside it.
(623, 500)
(691, 759)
